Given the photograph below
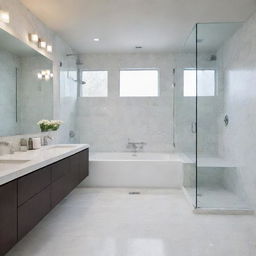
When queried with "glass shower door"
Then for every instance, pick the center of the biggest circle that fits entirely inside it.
(217, 175)
(186, 115)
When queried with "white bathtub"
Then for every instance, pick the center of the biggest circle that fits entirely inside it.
(158, 170)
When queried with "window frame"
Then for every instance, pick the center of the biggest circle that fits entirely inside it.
(81, 78)
(202, 69)
(140, 69)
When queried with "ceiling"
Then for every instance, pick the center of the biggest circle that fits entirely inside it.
(156, 25)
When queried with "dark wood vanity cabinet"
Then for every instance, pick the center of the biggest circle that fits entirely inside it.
(8, 216)
(84, 164)
(26, 200)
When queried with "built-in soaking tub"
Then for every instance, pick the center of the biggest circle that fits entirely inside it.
(159, 170)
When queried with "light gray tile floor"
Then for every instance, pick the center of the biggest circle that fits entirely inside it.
(110, 222)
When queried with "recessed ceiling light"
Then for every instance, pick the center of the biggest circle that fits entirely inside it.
(96, 39)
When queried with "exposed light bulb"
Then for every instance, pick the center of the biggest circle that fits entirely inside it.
(47, 72)
(45, 75)
(40, 76)
(49, 48)
(4, 16)
(33, 38)
(42, 44)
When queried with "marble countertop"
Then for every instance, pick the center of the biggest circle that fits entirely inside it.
(13, 166)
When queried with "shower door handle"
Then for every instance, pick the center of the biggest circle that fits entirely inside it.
(193, 127)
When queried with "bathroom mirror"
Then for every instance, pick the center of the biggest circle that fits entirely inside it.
(24, 99)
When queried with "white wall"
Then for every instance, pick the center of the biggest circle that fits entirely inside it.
(238, 140)
(24, 22)
(107, 123)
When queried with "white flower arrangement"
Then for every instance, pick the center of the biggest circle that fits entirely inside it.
(47, 125)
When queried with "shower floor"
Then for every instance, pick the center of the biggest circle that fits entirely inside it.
(217, 198)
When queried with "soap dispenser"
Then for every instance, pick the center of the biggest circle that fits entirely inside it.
(30, 144)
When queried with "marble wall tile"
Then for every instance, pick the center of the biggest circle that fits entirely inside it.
(238, 140)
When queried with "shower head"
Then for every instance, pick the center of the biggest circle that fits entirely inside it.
(78, 61)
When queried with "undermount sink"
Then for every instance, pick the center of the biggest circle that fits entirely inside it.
(12, 161)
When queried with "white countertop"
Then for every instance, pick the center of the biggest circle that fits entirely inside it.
(32, 160)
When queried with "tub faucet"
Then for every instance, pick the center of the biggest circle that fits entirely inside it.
(135, 146)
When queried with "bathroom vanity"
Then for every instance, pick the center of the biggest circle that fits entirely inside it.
(34, 182)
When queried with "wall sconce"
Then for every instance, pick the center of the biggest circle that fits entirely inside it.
(42, 44)
(49, 48)
(33, 38)
(4, 16)
(45, 75)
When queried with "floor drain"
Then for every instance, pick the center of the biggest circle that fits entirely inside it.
(134, 193)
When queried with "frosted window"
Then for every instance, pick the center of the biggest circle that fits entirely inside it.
(206, 82)
(94, 84)
(139, 83)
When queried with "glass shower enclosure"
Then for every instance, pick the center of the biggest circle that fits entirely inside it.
(211, 176)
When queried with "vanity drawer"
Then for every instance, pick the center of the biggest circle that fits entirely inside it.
(31, 212)
(8, 216)
(74, 174)
(60, 169)
(84, 164)
(59, 189)
(32, 184)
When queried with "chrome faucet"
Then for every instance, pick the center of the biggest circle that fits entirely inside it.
(135, 146)
(9, 145)
(45, 140)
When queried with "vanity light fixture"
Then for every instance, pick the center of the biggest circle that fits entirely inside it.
(49, 48)
(39, 76)
(45, 75)
(4, 16)
(42, 44)
(33, 37)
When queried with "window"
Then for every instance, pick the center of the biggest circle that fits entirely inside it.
(94, 84)
(205, 79)
(139, 83)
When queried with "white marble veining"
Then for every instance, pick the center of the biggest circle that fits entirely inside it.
(13, 166)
